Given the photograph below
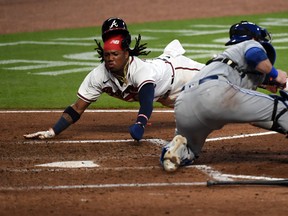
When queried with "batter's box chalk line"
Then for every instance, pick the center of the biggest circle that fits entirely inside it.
(159, 142)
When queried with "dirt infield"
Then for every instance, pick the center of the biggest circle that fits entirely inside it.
(127, 178)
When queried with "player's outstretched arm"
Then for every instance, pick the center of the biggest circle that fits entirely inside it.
(70, 115)
(146, 96)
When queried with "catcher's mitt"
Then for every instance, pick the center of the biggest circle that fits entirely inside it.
(273, 86)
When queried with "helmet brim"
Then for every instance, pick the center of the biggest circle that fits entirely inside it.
(237, 39)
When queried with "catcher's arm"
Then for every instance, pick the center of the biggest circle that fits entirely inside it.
(275, 78)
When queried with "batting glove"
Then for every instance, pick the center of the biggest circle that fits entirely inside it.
(41, 135)
(137, 130)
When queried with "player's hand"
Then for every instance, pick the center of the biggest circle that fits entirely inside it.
(136, 131)
(285, 87)
(282, 77)
(41, 135)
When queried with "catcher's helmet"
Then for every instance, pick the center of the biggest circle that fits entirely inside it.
(114, 25)
(246, 31)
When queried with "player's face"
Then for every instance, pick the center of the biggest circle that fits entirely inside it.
(115, 60)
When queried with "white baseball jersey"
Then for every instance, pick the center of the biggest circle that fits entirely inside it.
(169, 73)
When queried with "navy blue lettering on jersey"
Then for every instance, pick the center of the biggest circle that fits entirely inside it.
(129, 94)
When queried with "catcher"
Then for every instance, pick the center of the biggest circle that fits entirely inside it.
(122, 74)
(225, 92)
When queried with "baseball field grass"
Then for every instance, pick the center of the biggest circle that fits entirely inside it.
(43, 70)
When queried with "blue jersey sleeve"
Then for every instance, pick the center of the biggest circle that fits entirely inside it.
(254, 56)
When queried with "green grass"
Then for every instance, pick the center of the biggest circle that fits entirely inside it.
(21, 86)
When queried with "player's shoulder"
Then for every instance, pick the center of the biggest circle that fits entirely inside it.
(140, 68)
(253, 42)
(99, 72)
(136, 60)
(99, 69)
(250, 43)
(136, 63)
(245, 45)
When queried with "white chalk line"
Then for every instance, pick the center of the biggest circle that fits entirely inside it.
(154, 141)
(86, 111)
(216, 175)
(249, 177)
(95, 169)
(241, 136)
(160, 142)
(203, 168)
(95, 186)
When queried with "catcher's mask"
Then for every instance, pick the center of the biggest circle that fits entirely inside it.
(115, 26)
(246, 31)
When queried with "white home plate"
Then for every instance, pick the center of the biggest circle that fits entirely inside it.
(70, 164)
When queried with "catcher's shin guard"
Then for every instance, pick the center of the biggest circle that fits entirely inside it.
(175, 154)
(284, 99)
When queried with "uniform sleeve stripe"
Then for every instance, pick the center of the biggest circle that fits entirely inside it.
(145, 82)
(142, 115)
(132, 59)
(85, 99)
(173, 72)
(185, 68)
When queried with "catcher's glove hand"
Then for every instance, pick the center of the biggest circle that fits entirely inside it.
(41, 135)
(273, 86)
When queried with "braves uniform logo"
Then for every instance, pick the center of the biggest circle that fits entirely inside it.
(114, 24)
(130, 93)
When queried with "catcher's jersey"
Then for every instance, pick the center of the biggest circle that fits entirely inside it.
(168, 72)
(219, 95)
(246, 76)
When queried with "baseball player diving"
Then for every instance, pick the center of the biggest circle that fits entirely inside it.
(122, 74)
(225, 92)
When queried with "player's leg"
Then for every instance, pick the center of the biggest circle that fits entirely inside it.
(205, 107)
(176, 153)
(269, 112)
(279, 119)
(190, 138)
